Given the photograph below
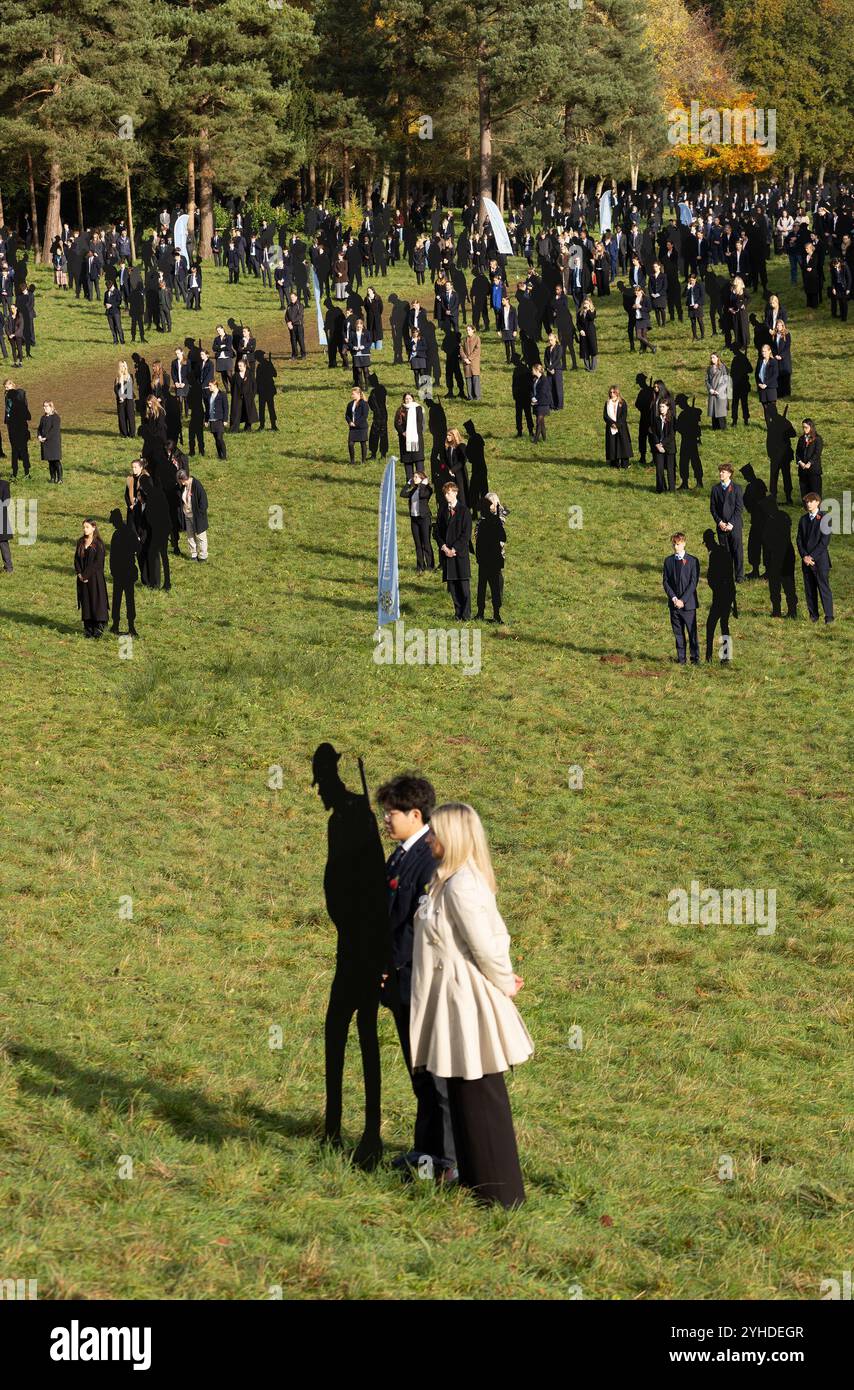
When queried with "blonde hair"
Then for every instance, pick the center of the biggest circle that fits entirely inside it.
(738, 285)
(459, 830)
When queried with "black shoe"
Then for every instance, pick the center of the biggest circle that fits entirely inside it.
(368, 1152)
(479, 617)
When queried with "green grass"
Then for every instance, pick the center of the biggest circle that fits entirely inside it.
(148, 777)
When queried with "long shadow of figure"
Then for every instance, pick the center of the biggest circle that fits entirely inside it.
(357, 903)
(124, 548)
(722, 584)
(476, 455)
(779, 557)
(755, 493)
(688, 425)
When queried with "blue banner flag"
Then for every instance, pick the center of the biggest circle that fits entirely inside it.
(388, 591)
(499, 231)
(321, 331)
(605, 212)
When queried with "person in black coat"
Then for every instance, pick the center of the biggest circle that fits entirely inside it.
(726, 505)
(657, 291)
(50, 439)
(662, 439)
(453, 533)
(265, 382)
(295, 319)
(216, 415)
(541, 401)
(16, 415)
(407, 802)
(719, 578)
(243, 409)
(640, 311)
(813, 542)
(417, 492)
(808, 456)
(680, 578)
(840, 288)
(193, 514)
(508, 326)
(7, 528)
(618, 444)
(553, 364)
(767, 375)
(695, 302)
(92, 597)
(409, 424)
(490, 539)
(356, 415)
(588, 341)
(359, 347)
(113, 310)
(124, 549)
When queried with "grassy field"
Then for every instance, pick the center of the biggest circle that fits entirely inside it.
(148, 1038)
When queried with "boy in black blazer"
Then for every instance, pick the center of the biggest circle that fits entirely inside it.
(727, 507)
(814, 549)
(680, 578)
(406, 802)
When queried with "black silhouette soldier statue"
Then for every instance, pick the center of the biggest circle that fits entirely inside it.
(755, 493)
(779, 557)
(778, 446)
(377, 405)
(721, 581)
(399, 312)
(265, 380)
(688, 425)
(357, 902)
(476, 455)
(124, 548)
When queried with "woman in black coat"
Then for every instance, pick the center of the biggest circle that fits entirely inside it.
(808, 456)
(812, 277)
(243, 410)
(587, 339)
(50, 438)
(409, 423)
(618, 444)
(657, 291)
(739, 319)
(541, 401)
(553, 363)
(223, 353)
(417, 493)
(453, 467)
(154, 435)
(489, 543)
(374, 316)
(92, 598)
(662, 440)
(356, 414)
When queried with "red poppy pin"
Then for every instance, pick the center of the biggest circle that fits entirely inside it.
(393, 882)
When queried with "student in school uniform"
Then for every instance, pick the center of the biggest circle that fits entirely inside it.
(813, 543)
(680, 578)
(417, 492)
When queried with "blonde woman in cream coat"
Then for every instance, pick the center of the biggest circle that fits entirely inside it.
(464, 1025)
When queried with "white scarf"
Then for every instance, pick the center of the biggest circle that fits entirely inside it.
(411, 428)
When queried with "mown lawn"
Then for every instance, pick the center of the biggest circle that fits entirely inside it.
(148, 778)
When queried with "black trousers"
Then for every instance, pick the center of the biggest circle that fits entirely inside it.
(779, 466)
(718, 613)
(378, 437)
(423, 548)
(266, 403)
(114, 319)
(524, 408)
(130, 603)
(739, 398)
(297, 333)
(779, 584)
(351, 449)
(433, 1132)
(127, 419)
(665, 471)
(219, 440)
(460, 591)
(487, 1157)
(684, 622)
(495, 580)
(809, 480)
(698, 327)
(817, 586)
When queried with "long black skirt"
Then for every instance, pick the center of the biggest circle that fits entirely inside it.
(487, 1157)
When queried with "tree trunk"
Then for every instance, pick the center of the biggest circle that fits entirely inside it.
(484, 114)
(345, 170)
(499, 194)
(79, 204)
(567, 156)
(53, 217)
(469, 170)
(34, 212)
(312, 183)
(129, 214)
(206, 210)
(2, 213)
(821, 173)
(386, 181)
(191, 195)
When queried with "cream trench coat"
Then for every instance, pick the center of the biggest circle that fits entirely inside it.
(462, 1021)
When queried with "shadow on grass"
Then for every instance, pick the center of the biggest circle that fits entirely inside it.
(191, 1114)
(39, 620)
